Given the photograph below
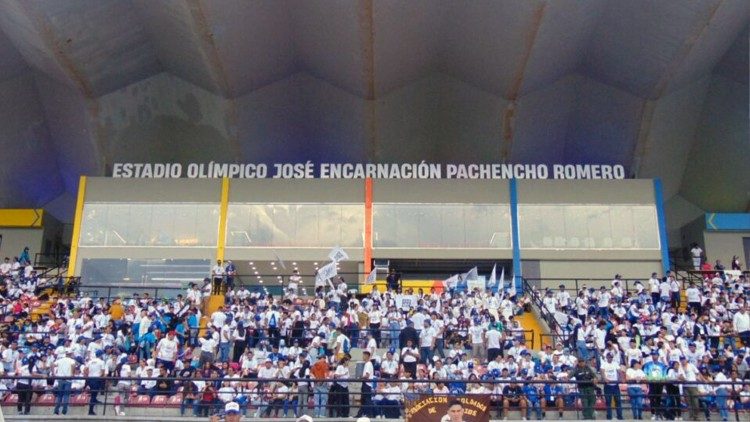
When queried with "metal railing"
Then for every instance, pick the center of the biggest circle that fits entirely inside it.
(345, 397)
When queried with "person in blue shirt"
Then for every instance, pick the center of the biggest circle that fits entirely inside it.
(533, 398)
(656, 373)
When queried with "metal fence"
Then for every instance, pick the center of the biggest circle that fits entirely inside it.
(262, 398)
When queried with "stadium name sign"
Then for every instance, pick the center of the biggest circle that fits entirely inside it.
(422, 170)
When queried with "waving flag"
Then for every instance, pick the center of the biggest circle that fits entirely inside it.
(337, 254)
(493, 278)
(372, 276)
(327, 272)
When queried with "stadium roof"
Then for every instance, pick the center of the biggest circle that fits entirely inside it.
(660, 86)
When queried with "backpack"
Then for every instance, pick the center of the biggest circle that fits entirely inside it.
(346, 346)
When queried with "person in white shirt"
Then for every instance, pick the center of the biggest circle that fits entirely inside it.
(694, 298)
(603, 302)
(338, 398)
(611, 375)
(426, 342)
(368, 375)
(64, 366)
(217, 275)
(94, 371)
(208, 349)
(563, 298)
(166, 351)
(653, 283)
(741, 324)
(409, 357)
(635, 391)
(696, 253)
(493, 338)
(689, 373)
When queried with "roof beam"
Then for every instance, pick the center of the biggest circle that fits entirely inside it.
(58, 50)
(207, 44)
(660, 87)
(367, 37)
(509, 114)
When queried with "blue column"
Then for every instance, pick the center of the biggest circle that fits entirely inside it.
(662, 221)
(517, 273)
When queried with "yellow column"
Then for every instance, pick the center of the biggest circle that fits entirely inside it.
(77, 227)
(222, 239)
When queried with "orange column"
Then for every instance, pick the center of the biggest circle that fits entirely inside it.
(368, 225)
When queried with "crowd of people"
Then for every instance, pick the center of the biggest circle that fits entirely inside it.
(292, 356)
(671, 351)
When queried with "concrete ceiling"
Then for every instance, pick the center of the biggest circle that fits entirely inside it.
(102, 81)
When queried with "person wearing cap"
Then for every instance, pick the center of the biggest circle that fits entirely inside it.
(232, 411)
(513, 399)
(63, 367)
(94, 371)
(611, 373)
(586, 377)
(656, 373)
(319, 372)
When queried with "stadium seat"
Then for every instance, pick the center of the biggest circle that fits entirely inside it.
(140, 400)
(174, 400)
(46, 399)
(79, 399)
(10, 399)
(160, 401)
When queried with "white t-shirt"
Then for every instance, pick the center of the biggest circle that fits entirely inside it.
(64, 367)
(167, 349)
(426, 336)
(408, 358)
(493, 339)
(477, 334)
(610, 371)
(693, 295)
(96, 367)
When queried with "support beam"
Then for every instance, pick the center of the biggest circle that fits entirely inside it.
(517, 270)
(221, 239)
(367, 36)
(77, 221)
(368, 225)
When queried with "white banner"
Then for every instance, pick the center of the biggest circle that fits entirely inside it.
(327, 272)
(372, 276)
(475, 283)
(421, 170)
(337, 254)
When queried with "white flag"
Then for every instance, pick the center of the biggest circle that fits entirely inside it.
(512, 289)
(337, 254)
(281, 263)
(470, 275)
(450, 282)
(327, 272)
(372, 276)
(502, 278)
(493, 277)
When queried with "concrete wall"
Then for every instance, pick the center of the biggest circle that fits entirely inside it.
(723, 245)
(102, 189)
(604, 270)
(15, 239)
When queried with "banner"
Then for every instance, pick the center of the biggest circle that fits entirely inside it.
(430, 408)
(493, 277)
(372, 276)
(421, 170)
(337, 254)
(327, 272)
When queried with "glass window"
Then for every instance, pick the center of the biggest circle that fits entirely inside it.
(304, 225)
(588, 227)
(149, 224)
(441, 226)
